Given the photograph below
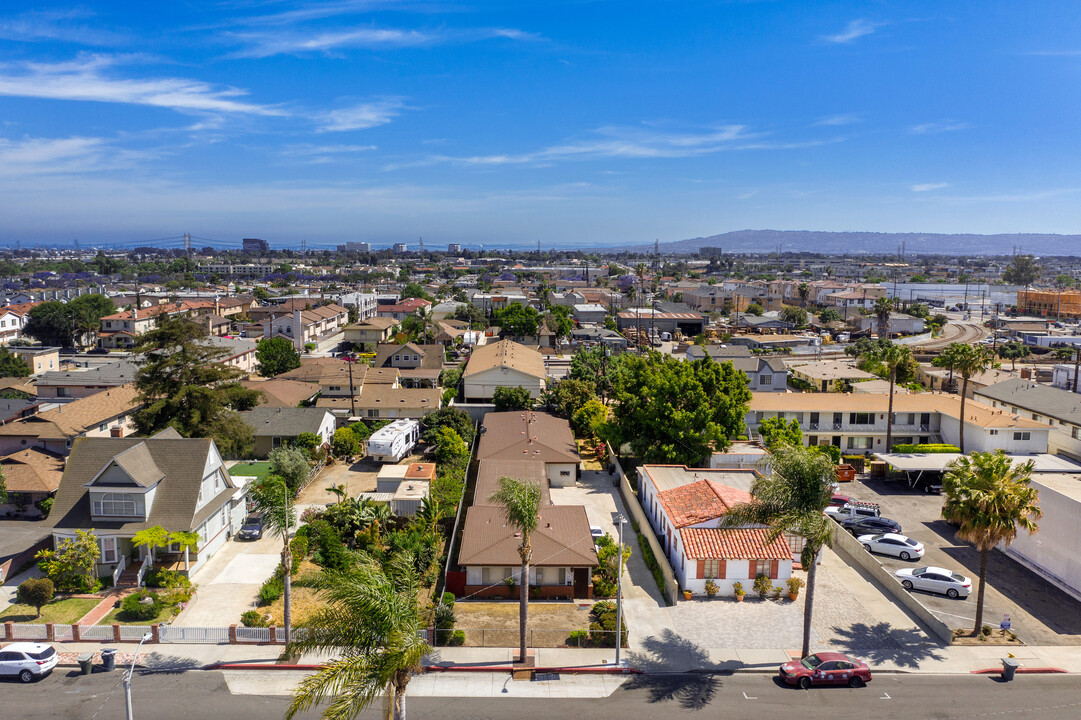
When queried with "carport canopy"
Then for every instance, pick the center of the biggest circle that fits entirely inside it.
(937, 462)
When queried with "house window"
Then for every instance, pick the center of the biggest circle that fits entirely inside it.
(765, 379)
(994, 432)
(859, 443)
(564, 473)
(1076, 433)
(276, 442)
(712, 568)
(861, 418)
(103, 427)
(61, 392)
(116, 505)
(1022, 435)
(107, 547)
(373, 413)
(761, 567)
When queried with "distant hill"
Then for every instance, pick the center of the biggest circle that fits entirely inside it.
(766, 241)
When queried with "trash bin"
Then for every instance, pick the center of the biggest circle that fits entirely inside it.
(108, 659)
(86, 661)
(1009, 667)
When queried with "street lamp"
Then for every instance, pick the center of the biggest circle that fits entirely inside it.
(127, 678)
(619, 590)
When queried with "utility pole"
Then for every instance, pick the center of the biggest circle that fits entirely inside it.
(127, 679)
(349, 360)
(1076, 367)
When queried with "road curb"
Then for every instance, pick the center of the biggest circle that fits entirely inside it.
(440, 668)
(1021, 671)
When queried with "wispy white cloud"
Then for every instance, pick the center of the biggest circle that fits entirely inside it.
(853, 31)
(92, 78)
(58, 156)
(310, 154)
(932, 128)
(64, 25)
(834, 120)
(362, 116)
(262, 43)
(928, 187)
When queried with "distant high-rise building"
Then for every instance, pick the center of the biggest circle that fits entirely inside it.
(256, 245)
(361, 247)
(401, 248)
(454, 247)
(710, 251)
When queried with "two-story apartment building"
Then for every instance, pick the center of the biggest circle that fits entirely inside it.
(68, 385)
(365, 335)
(106, 413)
(1061, 409)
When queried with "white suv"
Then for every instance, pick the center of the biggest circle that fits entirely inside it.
(27, 661)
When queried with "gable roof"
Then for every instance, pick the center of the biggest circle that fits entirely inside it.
(489, 472)
(733, 544)
(32, 470)
(562, 538)
(508, 354)
(1062, 405)
(431, 356)
(283, 421)
(700, 501)
(281, 392)
(114, 373)
(527, 435)
(76, 417)
(138, 464)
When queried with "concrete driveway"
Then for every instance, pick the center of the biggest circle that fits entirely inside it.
(229, 583)
(1041, 614)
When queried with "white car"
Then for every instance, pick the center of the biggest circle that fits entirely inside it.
(892, 544)
(27, 661)
(596, 532)
(935, 580)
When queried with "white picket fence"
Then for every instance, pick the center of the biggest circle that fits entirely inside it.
(210, 636)
(134, 633)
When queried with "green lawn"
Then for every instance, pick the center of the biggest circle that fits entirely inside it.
(251, 469)
(116, 615)
(63, 612)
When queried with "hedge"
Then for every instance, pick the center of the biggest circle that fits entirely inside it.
(928, 448)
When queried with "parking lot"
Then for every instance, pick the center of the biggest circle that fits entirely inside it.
(1040, 613)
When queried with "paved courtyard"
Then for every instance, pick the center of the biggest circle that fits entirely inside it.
(228, 585)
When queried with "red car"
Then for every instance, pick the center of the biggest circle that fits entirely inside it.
(826, 668)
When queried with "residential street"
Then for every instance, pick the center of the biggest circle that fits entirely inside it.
(181, 696)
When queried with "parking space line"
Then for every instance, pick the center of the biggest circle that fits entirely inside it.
(963, 617)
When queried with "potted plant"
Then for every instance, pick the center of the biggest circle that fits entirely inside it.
(777, 592)
(763, 586)
(687, 594)
(738, 591)
(711, 588)
(794, 584)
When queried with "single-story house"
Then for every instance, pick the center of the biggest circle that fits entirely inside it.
(30, 476)
(503, 364)
(277, 426)
(280, 392)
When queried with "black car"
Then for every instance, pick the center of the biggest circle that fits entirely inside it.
(870, 526)
(98, 351)
(252, 529)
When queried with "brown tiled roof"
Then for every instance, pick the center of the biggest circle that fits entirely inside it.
(375, 323)
(505, 353)
(562, 538)
(700, 501)
(32, 470)
(76, 417)
(489, 472)
(527, 435)
(431, 356)
(733, 544)
(280, 392)
(383, 397)
(333, 371)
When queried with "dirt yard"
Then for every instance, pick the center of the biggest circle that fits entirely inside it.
(357, 478)
(495, 624)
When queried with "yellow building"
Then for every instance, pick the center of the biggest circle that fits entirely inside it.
(1049, 303)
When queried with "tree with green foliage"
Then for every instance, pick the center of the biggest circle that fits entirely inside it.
(918, 310)
(966, 361)
(151, 537)
(373, 624)
(804, 291)
(989, 497)
(795, 315)
(829, 315)
(62, 323)
(449, 447)
(457, 420)
(587, 419)
(470, 313)
(559, 320)
(754, 309)
(565, 397)
(414, 290)
(520, 500)
(893, 357)
(13, 366)
(592, 365)
(291, 465)
(1023, 270)
(72, 565)
(777, 431)
(308, 442)
(517, 319)
(671, 411)
(509, 397)
(882, 309)
(276, 355)
(273, 500)
(184, 385)
(36, 592)
(1013, 351)
(789, 500)
(344, 443)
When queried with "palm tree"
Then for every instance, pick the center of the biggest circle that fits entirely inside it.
(790, 499)
(274, 501)
(882, 309)
(989, 498)
(373, 620)
(893, 357)
(966, 361)
(520, 500)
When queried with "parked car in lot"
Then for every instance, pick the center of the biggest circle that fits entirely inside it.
(853, 509)
(870, 525)
(935, 580)
(27, 661)
(596, 532)
(826, 668)
(837, 500)
(898, 546)
(252, 529)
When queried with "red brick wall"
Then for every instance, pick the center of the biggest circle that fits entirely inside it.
(541, 592)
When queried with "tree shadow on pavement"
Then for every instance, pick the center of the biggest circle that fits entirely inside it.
(166, 664)
(881, 643)
(673, 669)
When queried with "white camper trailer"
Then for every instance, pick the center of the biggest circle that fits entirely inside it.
(392, 443)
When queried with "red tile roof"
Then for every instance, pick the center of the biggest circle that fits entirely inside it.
(700, 501)
(733, 544)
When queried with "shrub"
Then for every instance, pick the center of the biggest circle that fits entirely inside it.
(603, 607)
(448, 598)
(326, 545)
(135, 607)
(271, 590)
(711, 588)
(651, 563)
(737, 589)
(763, 585)
(578, 638)
(927, 448)
(457, 639)
(444, 624)
(253, 618)
(794, 584)
(45, 506)
(37, 592)
(167, 579)
(310, 513)
(602, 587)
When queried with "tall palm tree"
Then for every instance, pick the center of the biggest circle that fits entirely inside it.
(966, 361)
(373, 621)
(274, 501)
(893, 357)
(882, 309)
(520, 500)
(789, 500)
(989, 498)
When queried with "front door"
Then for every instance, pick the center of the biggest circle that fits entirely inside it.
(581, 582)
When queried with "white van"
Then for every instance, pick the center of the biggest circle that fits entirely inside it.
(392, 443)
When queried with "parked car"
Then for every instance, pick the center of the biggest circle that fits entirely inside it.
(838, 500)
(596, 532)
(935, 580)
(98, 351)
(853, 509)
(252, 529)
(892, 544)
(870, 525)
(826, 668)
(27, 661)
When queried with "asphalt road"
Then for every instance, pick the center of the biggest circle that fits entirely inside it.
(203, 694)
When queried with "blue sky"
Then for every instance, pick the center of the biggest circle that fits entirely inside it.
(574, 123)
